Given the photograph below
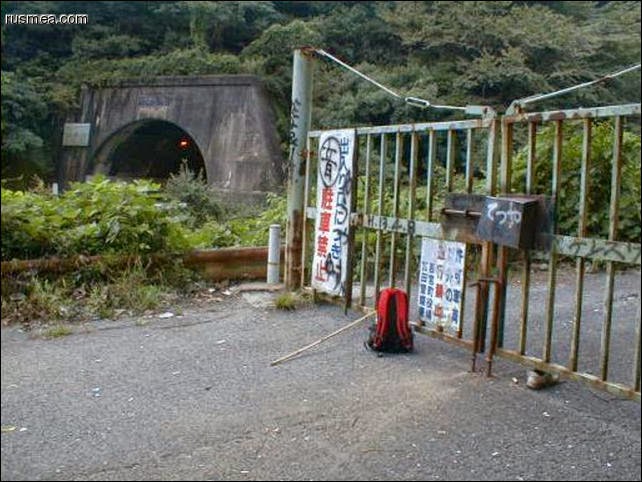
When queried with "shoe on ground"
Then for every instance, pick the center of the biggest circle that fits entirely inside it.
(538, 379)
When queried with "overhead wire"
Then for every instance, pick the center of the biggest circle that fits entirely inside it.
(414, 101)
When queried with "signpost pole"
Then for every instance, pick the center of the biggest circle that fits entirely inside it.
(300, 118)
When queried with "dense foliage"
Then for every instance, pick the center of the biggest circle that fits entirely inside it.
(448, 52)
(140, 231)
(598, 176)
(140, 218)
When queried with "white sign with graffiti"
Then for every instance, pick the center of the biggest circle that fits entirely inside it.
(441, 282)
(334, 186)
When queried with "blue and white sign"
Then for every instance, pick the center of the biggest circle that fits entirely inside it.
(441, 282)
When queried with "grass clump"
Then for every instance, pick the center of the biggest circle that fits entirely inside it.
(286, 301)
(57, 331)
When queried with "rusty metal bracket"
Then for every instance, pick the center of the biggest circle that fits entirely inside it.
(479, 281)
(469, 213)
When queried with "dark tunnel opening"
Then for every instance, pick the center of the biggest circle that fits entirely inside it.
(153, 149)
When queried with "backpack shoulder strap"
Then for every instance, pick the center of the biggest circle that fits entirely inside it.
(403, 327)
(383, 321)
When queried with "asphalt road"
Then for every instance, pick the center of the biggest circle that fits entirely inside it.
(193, 397)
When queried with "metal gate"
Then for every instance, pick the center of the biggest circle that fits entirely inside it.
(616, 313)
(401, 184)
(434, 181)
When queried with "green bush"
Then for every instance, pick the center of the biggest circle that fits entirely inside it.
(255, 230)
(98, 217)
(198, 199)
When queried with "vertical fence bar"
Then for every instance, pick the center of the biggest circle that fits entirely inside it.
(526, 273)
(581, 232)
(300, 117)
(638, 349)
(469, 161)
(469, 189)
(450, 159)
(432, 148)
(366, 211)
(496, 328)
(491, 158)
(506, 174)
(377, 266)
(532, 152)
(616, 178)
(395, 208)
(306, 202)
(552, 265)
(412, 181)
(480, 319)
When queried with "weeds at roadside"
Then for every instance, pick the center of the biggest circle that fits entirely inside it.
(57, 331)
(290, 301)
(286, 302)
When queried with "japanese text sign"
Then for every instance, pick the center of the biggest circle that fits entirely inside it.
(334, 190)
(441, 282)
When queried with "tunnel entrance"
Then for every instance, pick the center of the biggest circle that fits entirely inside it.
(150, 149)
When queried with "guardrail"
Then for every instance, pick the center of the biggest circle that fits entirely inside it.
(245, 263)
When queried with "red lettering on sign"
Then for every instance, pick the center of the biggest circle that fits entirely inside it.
(324, 224)
(327, 198)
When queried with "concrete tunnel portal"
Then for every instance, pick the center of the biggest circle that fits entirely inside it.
(151, 149)
(224, 126)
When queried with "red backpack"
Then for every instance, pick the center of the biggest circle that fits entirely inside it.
(392, 331)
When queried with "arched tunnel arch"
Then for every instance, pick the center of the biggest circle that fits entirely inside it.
(150, 149)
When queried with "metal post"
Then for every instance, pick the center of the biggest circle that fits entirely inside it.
(300, 117)
(274, 254)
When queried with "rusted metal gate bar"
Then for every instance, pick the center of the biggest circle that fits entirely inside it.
(582, 248)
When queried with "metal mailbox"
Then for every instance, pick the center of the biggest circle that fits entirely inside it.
(509, 221)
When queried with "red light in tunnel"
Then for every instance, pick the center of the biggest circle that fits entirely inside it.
(183, 143)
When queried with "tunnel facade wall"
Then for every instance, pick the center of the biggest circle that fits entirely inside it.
(229, 117)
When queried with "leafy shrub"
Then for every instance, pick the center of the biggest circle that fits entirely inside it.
(98, 217)
(199, 200)
(255, 230)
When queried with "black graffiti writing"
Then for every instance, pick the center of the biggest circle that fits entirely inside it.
(330, 161)
(294, 119)
(342, 210)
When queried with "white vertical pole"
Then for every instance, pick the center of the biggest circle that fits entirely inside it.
(274, 254)
(54, 188)
(300, 118)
